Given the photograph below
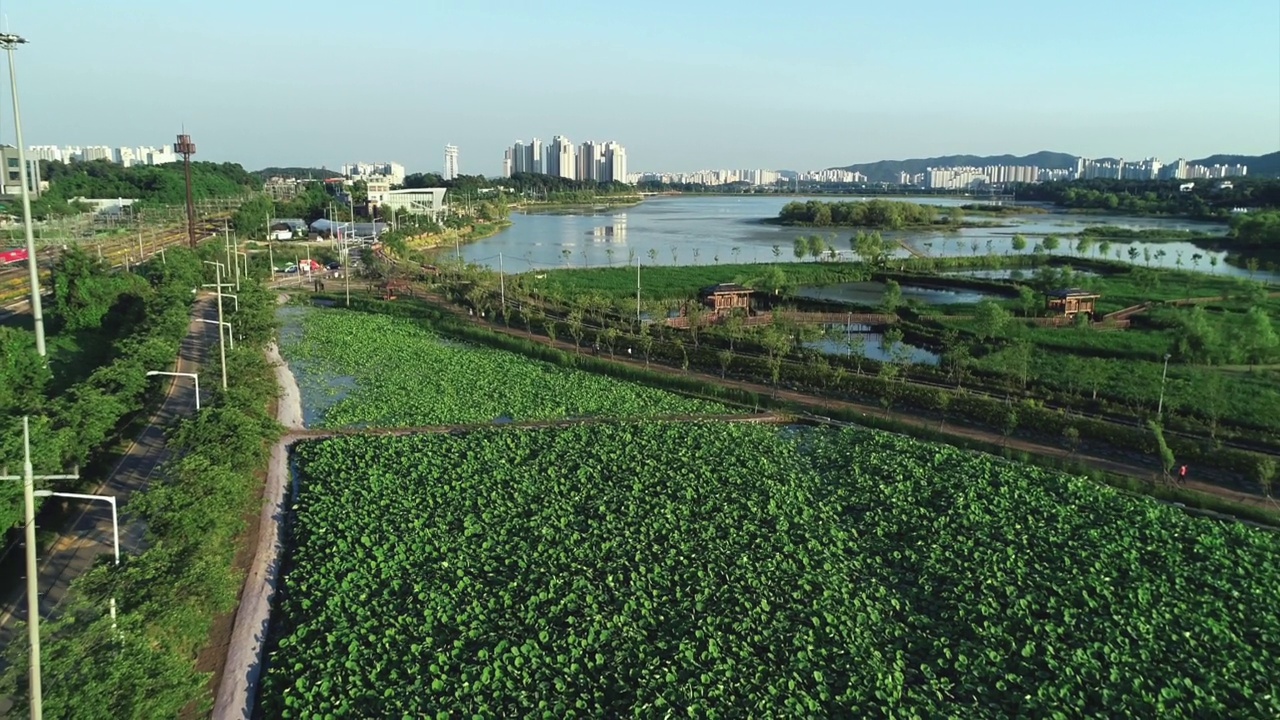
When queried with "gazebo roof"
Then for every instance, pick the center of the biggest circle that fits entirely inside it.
(1065, 293)
(726, 289)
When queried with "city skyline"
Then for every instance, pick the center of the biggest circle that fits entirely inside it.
(983, 78)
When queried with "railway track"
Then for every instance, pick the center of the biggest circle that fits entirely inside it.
(114, 251)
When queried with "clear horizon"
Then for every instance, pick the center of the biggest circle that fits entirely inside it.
(683, 88)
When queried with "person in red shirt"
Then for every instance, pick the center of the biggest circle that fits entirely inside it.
(1182, 473)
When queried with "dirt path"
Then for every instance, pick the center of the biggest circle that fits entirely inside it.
(817, 404)
(236, 692)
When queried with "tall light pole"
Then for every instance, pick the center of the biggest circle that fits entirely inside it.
(222, 346)
(226, 325)
(8, 42)
(28, 479)
(1163, 376)
(193, 376)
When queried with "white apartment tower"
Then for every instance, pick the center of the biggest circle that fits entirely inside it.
(615, 163)
(561, 161)
(450, 162)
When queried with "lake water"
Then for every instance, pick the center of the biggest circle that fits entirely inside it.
(871, 293)
(873, 345)
(693, 230)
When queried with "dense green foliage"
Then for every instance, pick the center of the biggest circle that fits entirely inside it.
(887, 214)
(148, 184)
(296, 173)
(1257, 228)
(169, 595)
(644, 570)
(148, 316)
(405, 375)
(1157, 197)
(1112, 232)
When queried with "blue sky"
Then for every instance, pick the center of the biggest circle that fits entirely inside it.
(683, 85)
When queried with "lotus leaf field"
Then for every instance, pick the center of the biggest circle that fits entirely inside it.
(407, 376)
(717, 570)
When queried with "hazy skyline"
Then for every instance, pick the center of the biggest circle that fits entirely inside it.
(683, 86)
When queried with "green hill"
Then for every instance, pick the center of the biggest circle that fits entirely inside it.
(888, 170)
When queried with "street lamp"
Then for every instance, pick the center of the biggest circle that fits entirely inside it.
(28, 479)
(8, 42)
(115, 521)
(193, 376)
(1163, 376)
(222, 347)
(226, 325)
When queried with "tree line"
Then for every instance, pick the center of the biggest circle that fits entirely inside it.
(1156, 197)
(886, 214)
(148, 185)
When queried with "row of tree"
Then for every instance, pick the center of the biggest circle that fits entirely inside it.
(148, 185)
(1156, 197)
(886, 214)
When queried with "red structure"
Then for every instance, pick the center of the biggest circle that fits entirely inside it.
(186, 149)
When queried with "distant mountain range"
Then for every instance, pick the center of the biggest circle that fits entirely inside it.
(888, 170)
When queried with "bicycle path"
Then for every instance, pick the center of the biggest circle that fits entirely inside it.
(89, 535)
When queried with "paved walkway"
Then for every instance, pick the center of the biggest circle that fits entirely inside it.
(90, 534)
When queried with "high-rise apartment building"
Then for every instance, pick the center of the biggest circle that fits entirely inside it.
(596, 161)
(450, 162)
(561, 158)
(393, 172)
(536, 161)
(615, 163)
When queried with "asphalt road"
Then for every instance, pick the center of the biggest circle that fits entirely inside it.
(90, 535)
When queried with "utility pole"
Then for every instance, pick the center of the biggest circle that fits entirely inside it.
(28, 479)
(186, 149)
(638, 322)
(8, 42)
(502, 283)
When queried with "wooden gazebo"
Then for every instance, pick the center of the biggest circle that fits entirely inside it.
(724, 298)
(1070, 302)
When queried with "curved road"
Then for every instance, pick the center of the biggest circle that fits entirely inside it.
(90, 534)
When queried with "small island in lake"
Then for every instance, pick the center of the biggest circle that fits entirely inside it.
(883, 214)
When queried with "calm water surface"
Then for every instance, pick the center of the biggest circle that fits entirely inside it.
(726, 229)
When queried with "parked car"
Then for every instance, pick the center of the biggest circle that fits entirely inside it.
(334, 266)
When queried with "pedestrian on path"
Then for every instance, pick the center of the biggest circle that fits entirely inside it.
(1182, 474)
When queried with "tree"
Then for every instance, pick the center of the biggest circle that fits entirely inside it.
(1196, 339)
(725, 357)
(1164, 454)
(1264, 472)
(800, 247)
(1010, 424)
(817, 246)
(1019, 243)
(989, 320)
(1028, 299)
(892, 298)
(1051, 243)
(1071, 439)
(653, 255)
(1259, 334)
(610, 338)
(778, 342)
(646, 340)
(575, 323)
(697, 315)
(777, 251)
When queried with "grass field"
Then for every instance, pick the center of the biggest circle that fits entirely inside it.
(716, 570)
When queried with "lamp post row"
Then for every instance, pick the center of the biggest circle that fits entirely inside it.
(28, 477)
